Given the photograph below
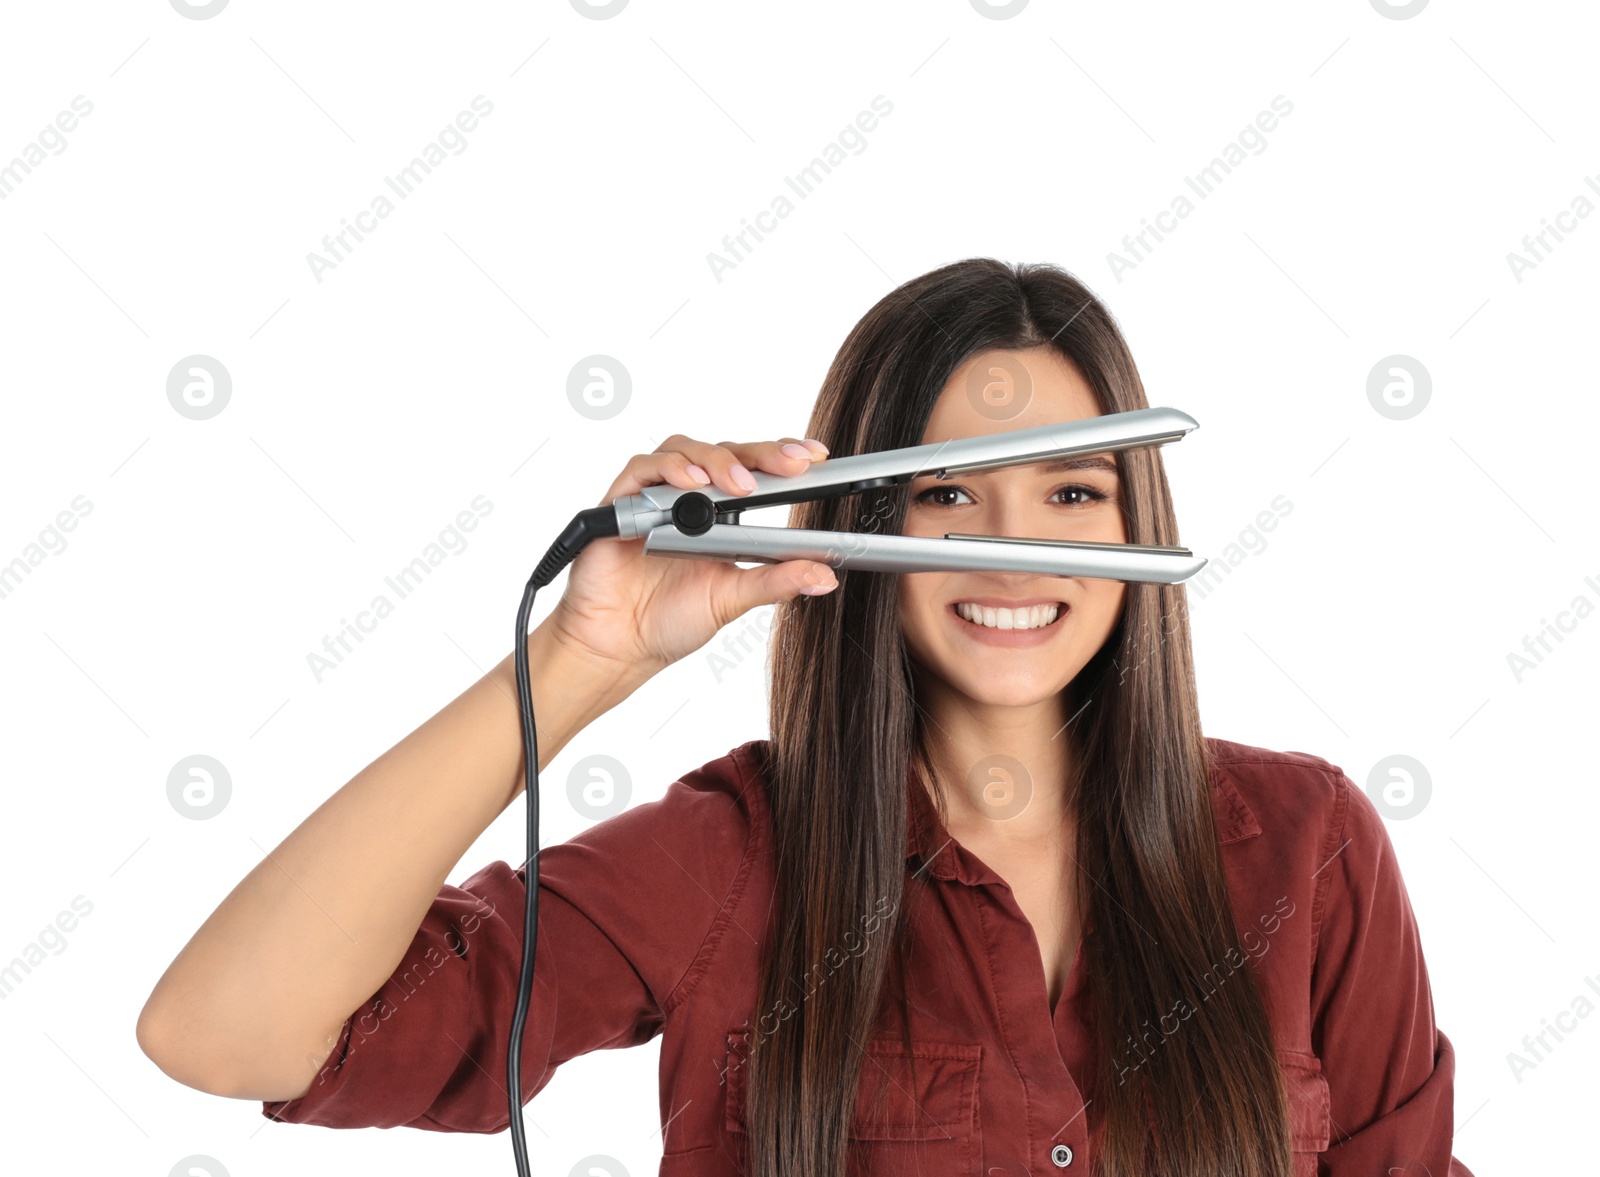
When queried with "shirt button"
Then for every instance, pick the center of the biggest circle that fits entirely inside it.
(1061, 1155)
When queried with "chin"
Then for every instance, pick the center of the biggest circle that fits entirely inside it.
(997, 691)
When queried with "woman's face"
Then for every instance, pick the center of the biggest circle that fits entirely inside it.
(1001, 666)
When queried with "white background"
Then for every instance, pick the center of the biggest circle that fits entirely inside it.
(430, 366)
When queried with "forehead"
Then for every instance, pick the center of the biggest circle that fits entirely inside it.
(1101, 464)
(998, 390)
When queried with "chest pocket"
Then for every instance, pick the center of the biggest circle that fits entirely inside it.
(932, 1121)
(1309, 1118)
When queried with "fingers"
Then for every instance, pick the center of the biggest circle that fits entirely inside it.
(729, 462)
(671, 467)
(806, 449)
(689, 464)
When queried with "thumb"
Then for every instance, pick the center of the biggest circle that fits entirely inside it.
(783, 582)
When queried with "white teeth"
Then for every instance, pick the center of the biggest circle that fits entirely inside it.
(1028, 617)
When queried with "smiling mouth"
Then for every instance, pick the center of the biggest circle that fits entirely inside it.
(1027, 618)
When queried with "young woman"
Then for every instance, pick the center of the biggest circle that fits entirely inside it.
(985, 902)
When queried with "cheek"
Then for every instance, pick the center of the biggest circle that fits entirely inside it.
(1104, 602)
(918, 593)
(913, 611)
(1110, 525)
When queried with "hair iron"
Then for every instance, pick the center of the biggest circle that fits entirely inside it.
(704, 524)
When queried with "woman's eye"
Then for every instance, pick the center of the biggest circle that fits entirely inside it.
(927, 495)
(1090, 494)
(1087, 495)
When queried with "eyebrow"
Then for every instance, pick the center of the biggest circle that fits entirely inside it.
(1087, 462)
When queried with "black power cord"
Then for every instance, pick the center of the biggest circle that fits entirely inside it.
(692, 513)
(585, 526)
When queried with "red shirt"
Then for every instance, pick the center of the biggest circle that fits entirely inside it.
(648, 924)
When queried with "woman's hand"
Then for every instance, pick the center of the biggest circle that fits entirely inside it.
(647, 612)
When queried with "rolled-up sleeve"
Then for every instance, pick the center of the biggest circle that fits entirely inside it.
(1390, 1072)
(624, 912)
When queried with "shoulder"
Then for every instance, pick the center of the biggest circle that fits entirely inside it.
(1299, 790)
(724, 791)
(1318, 827)
(1283, 793)
(697, 833)
(662, 879)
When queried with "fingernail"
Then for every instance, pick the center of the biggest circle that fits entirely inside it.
(741, 477)
(819, 581)
(814, 443)
(699, 475)
(796, 451)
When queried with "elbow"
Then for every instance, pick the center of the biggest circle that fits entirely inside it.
(184, 1053)
(178, 1055)
(163, 1045)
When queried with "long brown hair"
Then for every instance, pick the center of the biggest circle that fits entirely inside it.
(846, 728)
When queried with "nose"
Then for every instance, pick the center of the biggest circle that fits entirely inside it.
(1013, 511)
